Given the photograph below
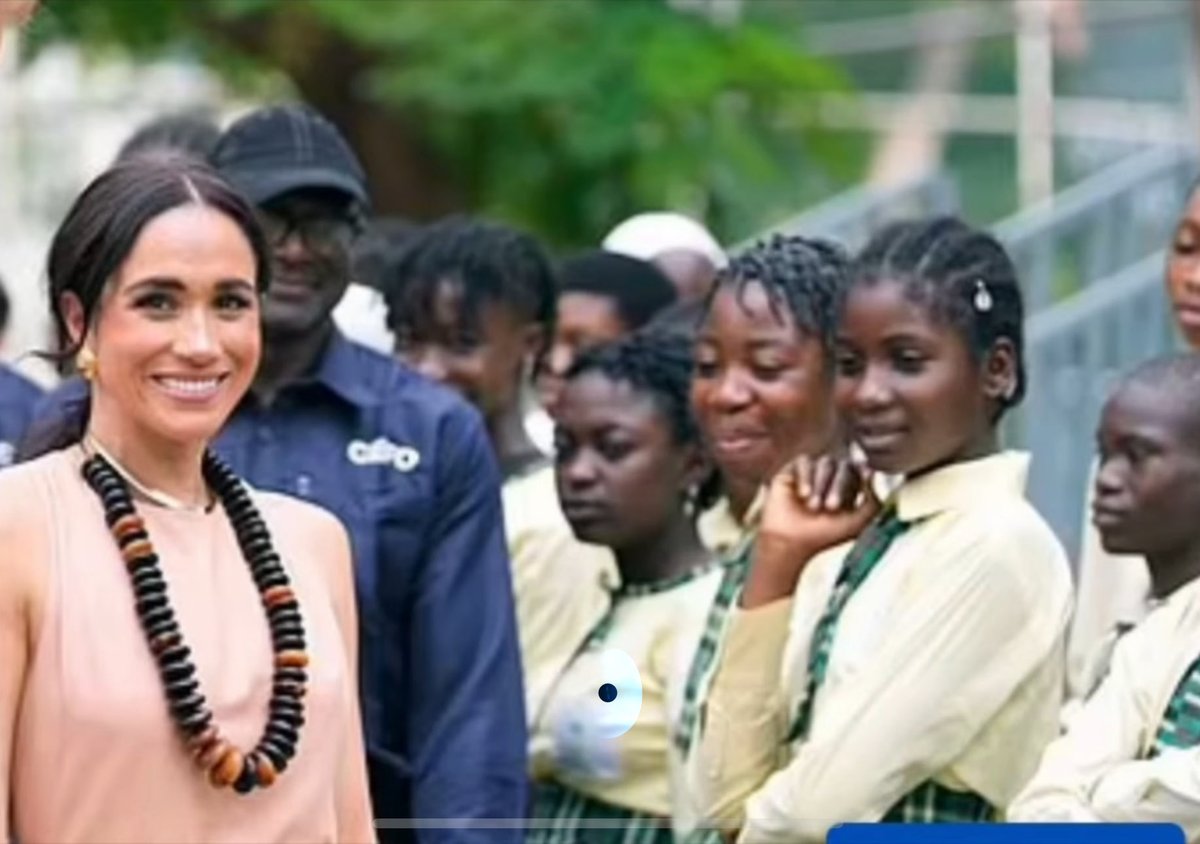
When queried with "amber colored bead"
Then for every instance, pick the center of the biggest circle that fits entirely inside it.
(278, 595)
(160, 643)
(127, 525)
(292, 659)
(265, 769)
(136, 549)
(207, 756)
(197, 743)
(227, 769)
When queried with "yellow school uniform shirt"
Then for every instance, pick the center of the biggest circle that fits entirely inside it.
(645, 651)
(1094, 773)
(947, 665)
(561, 587)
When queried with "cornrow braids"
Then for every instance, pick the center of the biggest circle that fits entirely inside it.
(800, 274)
(656, 362)
(961, 274)
(491, 262)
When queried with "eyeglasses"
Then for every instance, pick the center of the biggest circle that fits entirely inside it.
(319, 233)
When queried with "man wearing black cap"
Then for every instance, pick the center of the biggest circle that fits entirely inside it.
(407, 467)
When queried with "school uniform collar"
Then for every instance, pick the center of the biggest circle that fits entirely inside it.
(963, 485)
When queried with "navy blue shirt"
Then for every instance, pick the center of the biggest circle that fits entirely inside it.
(407, 467)
(18, 399)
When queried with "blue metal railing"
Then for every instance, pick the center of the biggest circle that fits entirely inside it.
(1098, 227)
(1074, 350)
(851, 217)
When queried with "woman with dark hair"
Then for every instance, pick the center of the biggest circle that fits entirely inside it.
(180, 648)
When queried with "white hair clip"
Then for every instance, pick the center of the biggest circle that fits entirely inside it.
(983, 299)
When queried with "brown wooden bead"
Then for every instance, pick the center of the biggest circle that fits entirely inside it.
(278, 595)
(210, 754)
(160, 643)
(197, 743)
(137, 549)
(127, 525)
(292, 659)
(227, 769)
(266, 771)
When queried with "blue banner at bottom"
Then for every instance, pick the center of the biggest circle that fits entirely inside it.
(1009, 833)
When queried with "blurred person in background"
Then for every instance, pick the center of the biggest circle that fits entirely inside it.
(18, 395)
(15, 13)
(191, 135)
(684, 250)
(172, 641)
(471, 304)
(602, 296)
(407, 466)
(362, 313)
(1114, 591)
(632, 475)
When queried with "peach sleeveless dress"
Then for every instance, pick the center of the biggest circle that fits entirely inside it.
(96, 756)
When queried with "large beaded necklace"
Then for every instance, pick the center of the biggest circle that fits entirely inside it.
(224, 764)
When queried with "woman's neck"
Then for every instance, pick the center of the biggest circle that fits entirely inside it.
(167, 467)
(674, 551)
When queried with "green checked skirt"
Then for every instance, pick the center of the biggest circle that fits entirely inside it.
(564, 816)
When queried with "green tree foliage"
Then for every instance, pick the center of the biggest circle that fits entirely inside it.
(560, 115)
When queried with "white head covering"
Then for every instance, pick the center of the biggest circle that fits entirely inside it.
(646, 236)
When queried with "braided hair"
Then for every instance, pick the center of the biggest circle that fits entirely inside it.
(491, 262)
(656, 362)
(960, 274)
(798, 274)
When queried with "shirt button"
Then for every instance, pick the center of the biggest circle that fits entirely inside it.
(264, 434)
(304, 485)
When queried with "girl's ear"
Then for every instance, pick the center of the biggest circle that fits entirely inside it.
(1000, 371)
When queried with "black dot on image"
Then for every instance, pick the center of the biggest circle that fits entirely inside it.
(608, 693)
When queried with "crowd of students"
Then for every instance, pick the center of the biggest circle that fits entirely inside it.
(727, 546)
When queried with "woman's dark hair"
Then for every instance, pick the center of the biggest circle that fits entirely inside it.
(491, 262)
(658, 363)
(97, 235)
(803, 275)
(960, 274)
(639, 290)
(5, 308)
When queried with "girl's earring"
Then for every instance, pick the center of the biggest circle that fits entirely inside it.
(691, 499)
(85, 363)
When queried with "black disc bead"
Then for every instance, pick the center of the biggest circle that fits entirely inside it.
(178, 671)
(271, 749)
(174, 654)
(181, 689)
(291, 673)
(288, 643)
(148, 602)
(155, 616)
(191, 705)
(195, 723)
(162, 629)
(247, 780)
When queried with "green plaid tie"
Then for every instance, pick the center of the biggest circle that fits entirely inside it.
(868, 550)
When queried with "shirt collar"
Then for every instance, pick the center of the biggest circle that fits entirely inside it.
(962, 485)
(341, 370)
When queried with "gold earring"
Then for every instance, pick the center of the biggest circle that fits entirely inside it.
(85, 363)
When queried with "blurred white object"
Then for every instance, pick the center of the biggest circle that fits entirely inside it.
(362, 316)
(647, 236)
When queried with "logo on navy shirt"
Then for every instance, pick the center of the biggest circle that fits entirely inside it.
(383, 452)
